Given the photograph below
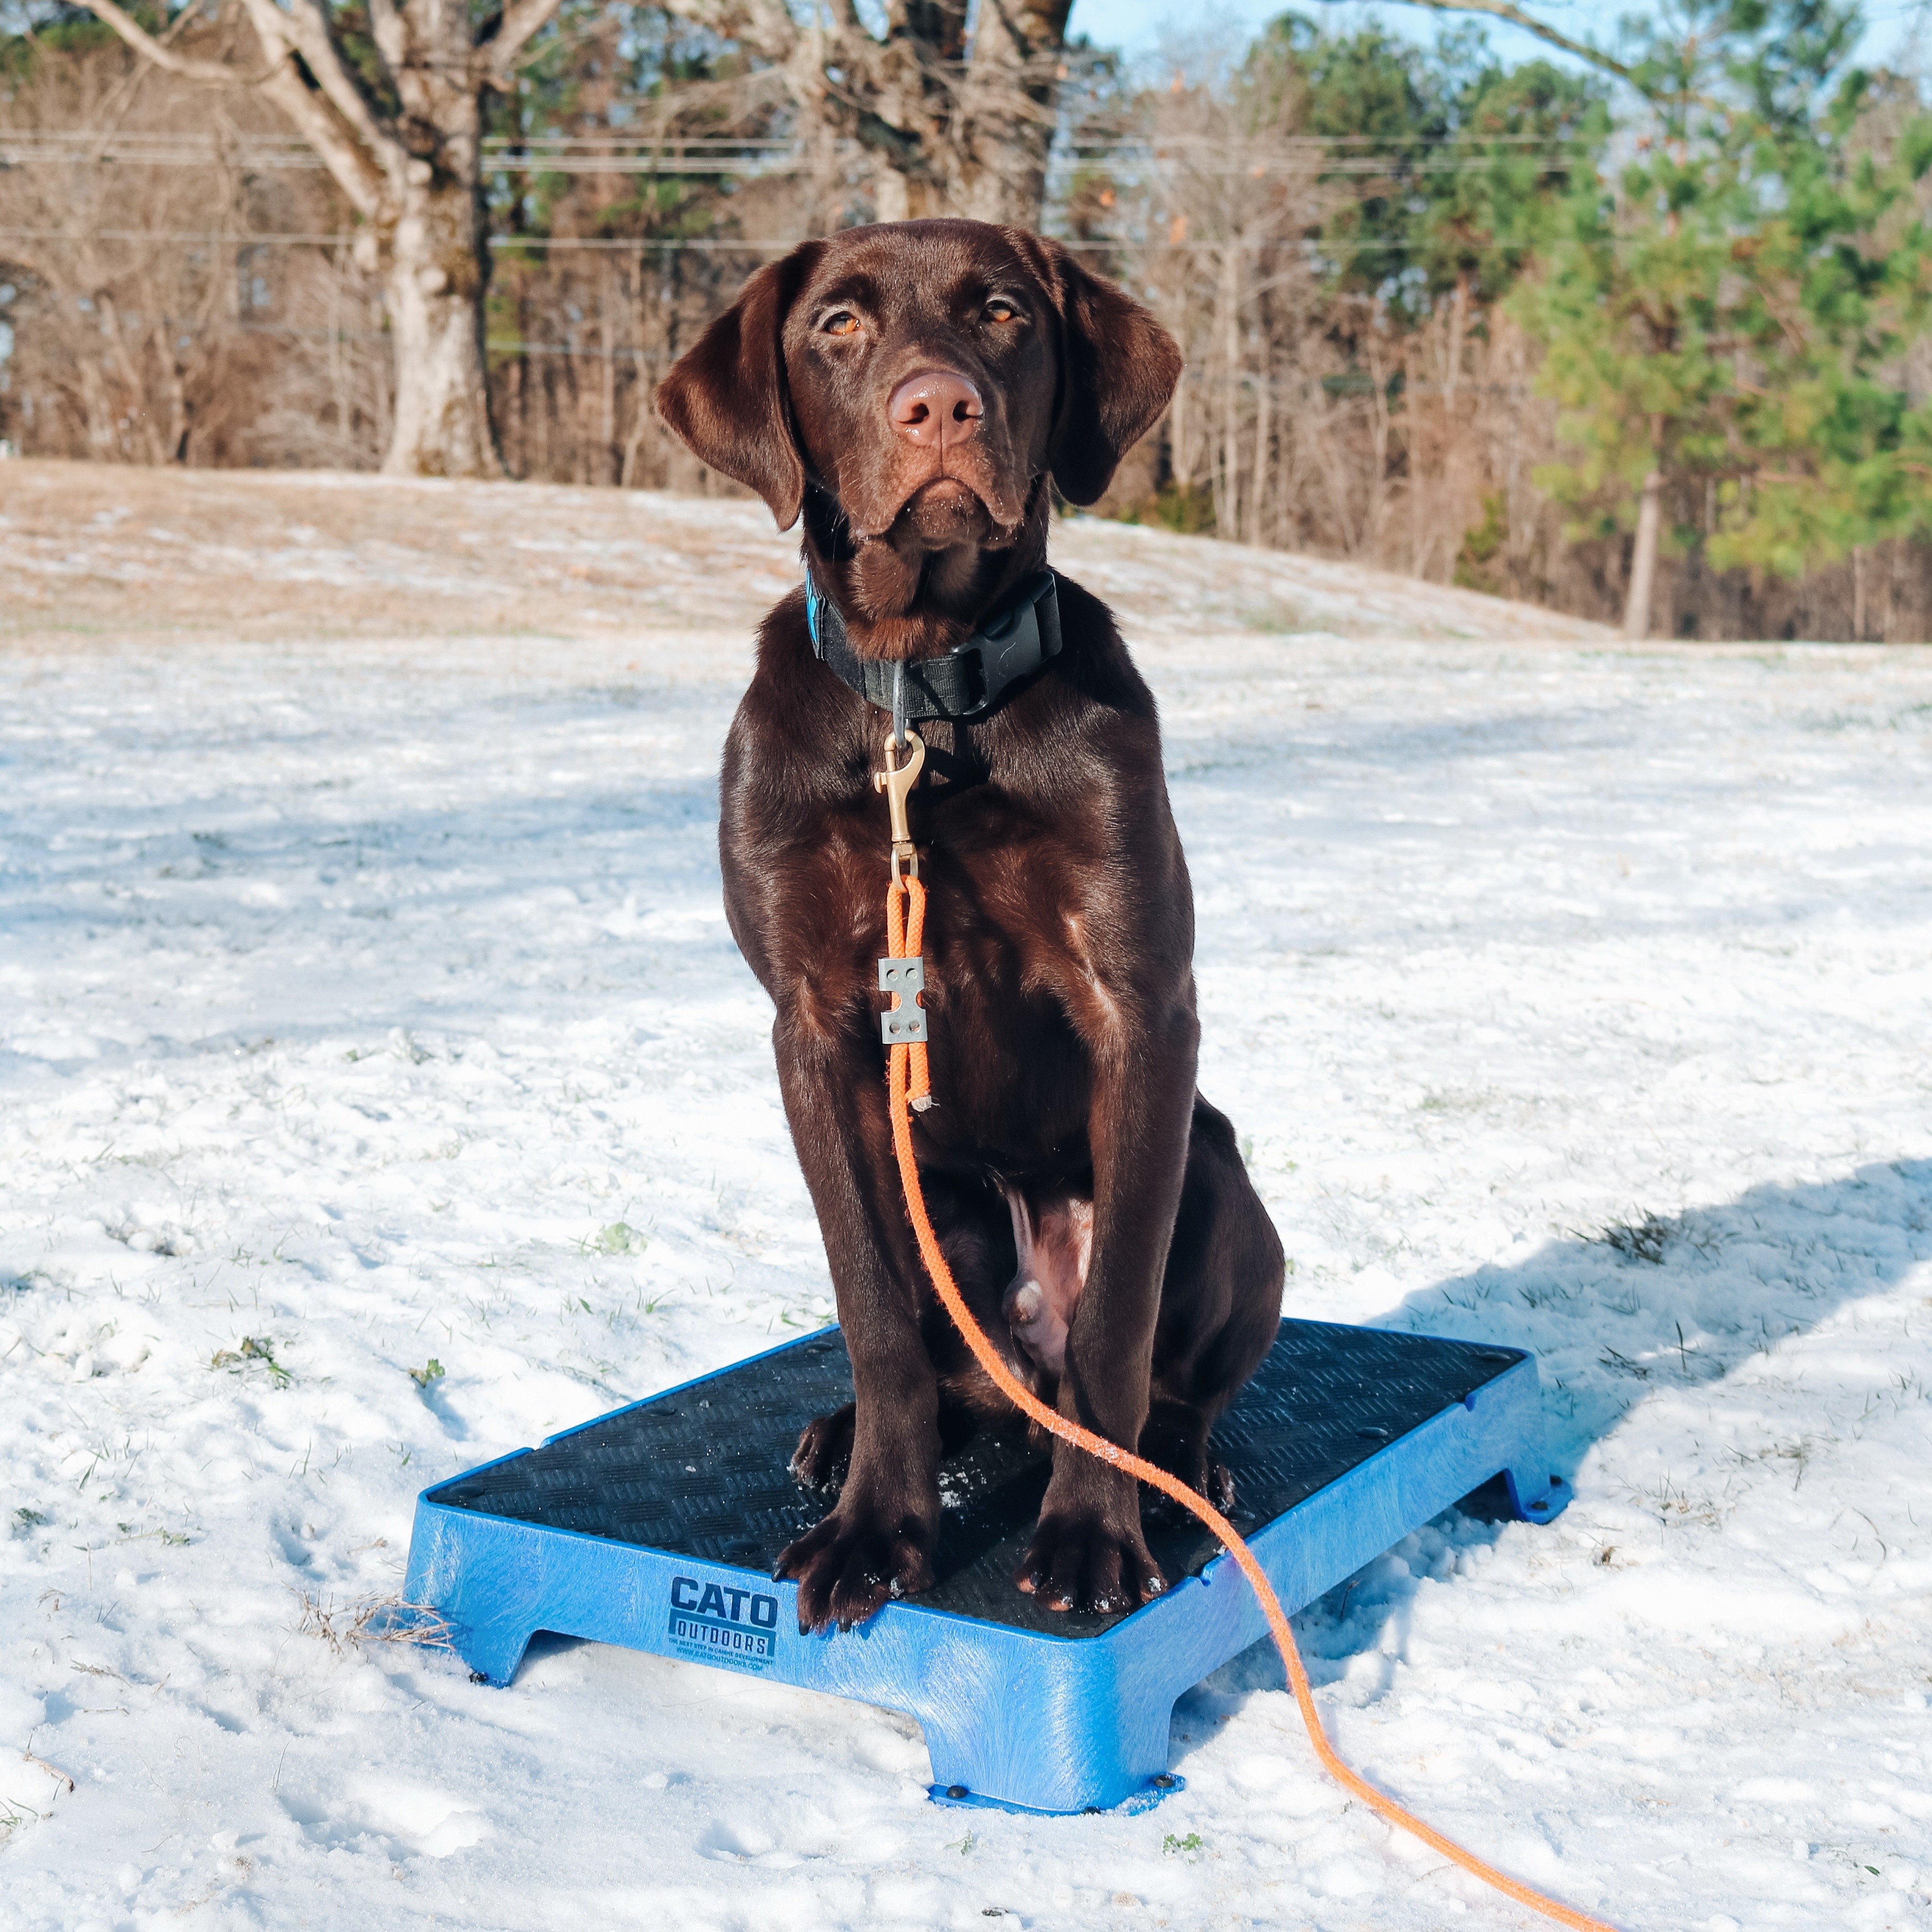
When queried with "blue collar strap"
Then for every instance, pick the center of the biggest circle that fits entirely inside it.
(969, 682)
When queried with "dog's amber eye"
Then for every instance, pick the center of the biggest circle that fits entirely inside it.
(841, 321)
(998, 310)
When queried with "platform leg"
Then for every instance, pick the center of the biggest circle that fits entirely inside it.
(1113, 1757)
(1535, 1495)
(491, 1650)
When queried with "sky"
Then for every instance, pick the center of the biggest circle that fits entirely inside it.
(1137, 26)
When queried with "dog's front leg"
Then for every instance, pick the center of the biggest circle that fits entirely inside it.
(878, 1541)
(1088, 1551)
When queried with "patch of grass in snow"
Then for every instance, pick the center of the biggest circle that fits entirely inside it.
(620, 1238)
(431, 1371)
(1274, 620)
(255, 1350)
(1546, 1293)
(1451, 1101)
(171, 1539)
(14, 1812)
(347, 1626)
(1799, 1454)
(1644, 1241)
(1676, 1508)
(1190, 1847)
(1612, 1359)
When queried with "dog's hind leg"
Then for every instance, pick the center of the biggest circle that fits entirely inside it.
(1175, 1439)
(824, 1451)
(1220, 1306)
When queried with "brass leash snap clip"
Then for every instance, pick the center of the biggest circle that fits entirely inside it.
(895, 781)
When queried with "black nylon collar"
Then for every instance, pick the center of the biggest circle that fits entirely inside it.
(968, 682)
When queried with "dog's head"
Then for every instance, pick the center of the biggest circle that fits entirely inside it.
(911, 386)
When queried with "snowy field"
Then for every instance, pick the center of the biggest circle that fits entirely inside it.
(367, 1008)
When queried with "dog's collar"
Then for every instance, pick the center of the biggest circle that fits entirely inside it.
(968, 682)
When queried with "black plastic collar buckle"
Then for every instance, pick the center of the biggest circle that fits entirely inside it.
(969, 682)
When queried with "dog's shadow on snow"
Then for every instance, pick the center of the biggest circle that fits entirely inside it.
(1611, 1316)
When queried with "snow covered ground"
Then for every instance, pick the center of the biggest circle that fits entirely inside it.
(366, 1007)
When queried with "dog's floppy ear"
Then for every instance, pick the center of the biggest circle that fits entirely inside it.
(1118, 368)
(725, 398)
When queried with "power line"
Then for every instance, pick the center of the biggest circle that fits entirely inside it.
(1328, 248)
(607, 154)
(226, 234)
(343, 239)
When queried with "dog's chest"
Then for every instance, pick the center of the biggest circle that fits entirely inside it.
(1048, 915)
(1001, 946)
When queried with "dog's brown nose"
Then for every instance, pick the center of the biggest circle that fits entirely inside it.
(938, 407)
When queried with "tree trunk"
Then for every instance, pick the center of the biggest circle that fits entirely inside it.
(439, 270)
(1228, 515)
(1643, 558)
(950, 129)
(1257, 493)
(1375, 516)
(611, 461)
(1012, 85)
(130, 377)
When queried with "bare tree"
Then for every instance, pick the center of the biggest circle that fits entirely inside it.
(404, 143)
(329, 402)
(1209, 223)
(954, 128)
(137, 301)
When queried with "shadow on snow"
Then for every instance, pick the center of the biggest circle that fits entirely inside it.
(1658, 1305)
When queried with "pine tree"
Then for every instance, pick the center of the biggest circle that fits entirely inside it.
(1723, 314)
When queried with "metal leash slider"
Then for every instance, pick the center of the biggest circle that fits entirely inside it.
(904, 1023)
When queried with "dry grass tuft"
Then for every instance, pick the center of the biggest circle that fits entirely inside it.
(347, 1626)
(1644, 1241)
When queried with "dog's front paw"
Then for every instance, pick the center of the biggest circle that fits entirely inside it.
(849, 1565)
(824, 1450)
(1081, 1561)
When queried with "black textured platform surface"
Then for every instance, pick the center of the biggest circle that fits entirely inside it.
(700, 1471)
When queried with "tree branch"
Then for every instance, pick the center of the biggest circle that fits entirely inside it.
(765, 26)
(352, 170)
(521, 23)
(308, 26)
(903, 152)
(386, 29)
(348, 166)
(801, 55)
(204, 72)
(1502, 10)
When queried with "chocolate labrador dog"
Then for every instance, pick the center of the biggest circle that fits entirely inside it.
(910, 388)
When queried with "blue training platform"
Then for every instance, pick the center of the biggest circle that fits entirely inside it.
(657, 1526)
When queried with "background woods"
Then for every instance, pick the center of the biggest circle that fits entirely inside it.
(1659, 356)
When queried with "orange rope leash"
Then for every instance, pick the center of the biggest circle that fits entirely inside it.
(909, 1078)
